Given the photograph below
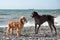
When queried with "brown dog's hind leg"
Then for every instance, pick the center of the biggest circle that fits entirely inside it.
(18, 32)
(8, 31)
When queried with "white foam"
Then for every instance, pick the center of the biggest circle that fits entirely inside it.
(57, 21)
(29, 23)
(3, 26)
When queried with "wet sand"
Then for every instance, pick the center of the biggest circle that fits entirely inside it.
(28, 34)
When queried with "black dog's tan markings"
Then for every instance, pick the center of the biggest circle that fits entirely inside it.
(41, 19)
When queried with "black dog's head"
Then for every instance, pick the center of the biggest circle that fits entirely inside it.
(34, 14)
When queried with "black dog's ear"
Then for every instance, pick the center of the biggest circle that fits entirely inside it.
(35, 13)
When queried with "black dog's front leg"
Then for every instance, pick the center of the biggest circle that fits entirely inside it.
(35, 28)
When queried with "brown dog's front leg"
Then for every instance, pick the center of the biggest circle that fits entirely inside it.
(11, 31)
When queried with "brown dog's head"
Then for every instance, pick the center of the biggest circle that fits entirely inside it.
(23, 19)
(34, 14)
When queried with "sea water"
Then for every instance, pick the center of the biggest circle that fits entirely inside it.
(14, 14)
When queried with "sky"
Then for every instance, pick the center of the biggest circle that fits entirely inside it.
(29, 4)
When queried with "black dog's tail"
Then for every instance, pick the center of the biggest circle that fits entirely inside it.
(51, 16)
(54, 16)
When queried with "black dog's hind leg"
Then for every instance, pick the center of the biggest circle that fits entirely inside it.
(50, 26)
(55, 29)
(52, 22)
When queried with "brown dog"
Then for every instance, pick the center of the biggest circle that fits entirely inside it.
(18, 25)
(41, 19)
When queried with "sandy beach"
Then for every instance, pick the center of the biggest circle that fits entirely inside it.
(28, 34)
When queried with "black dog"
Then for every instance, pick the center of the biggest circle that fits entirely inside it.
(41, 19)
